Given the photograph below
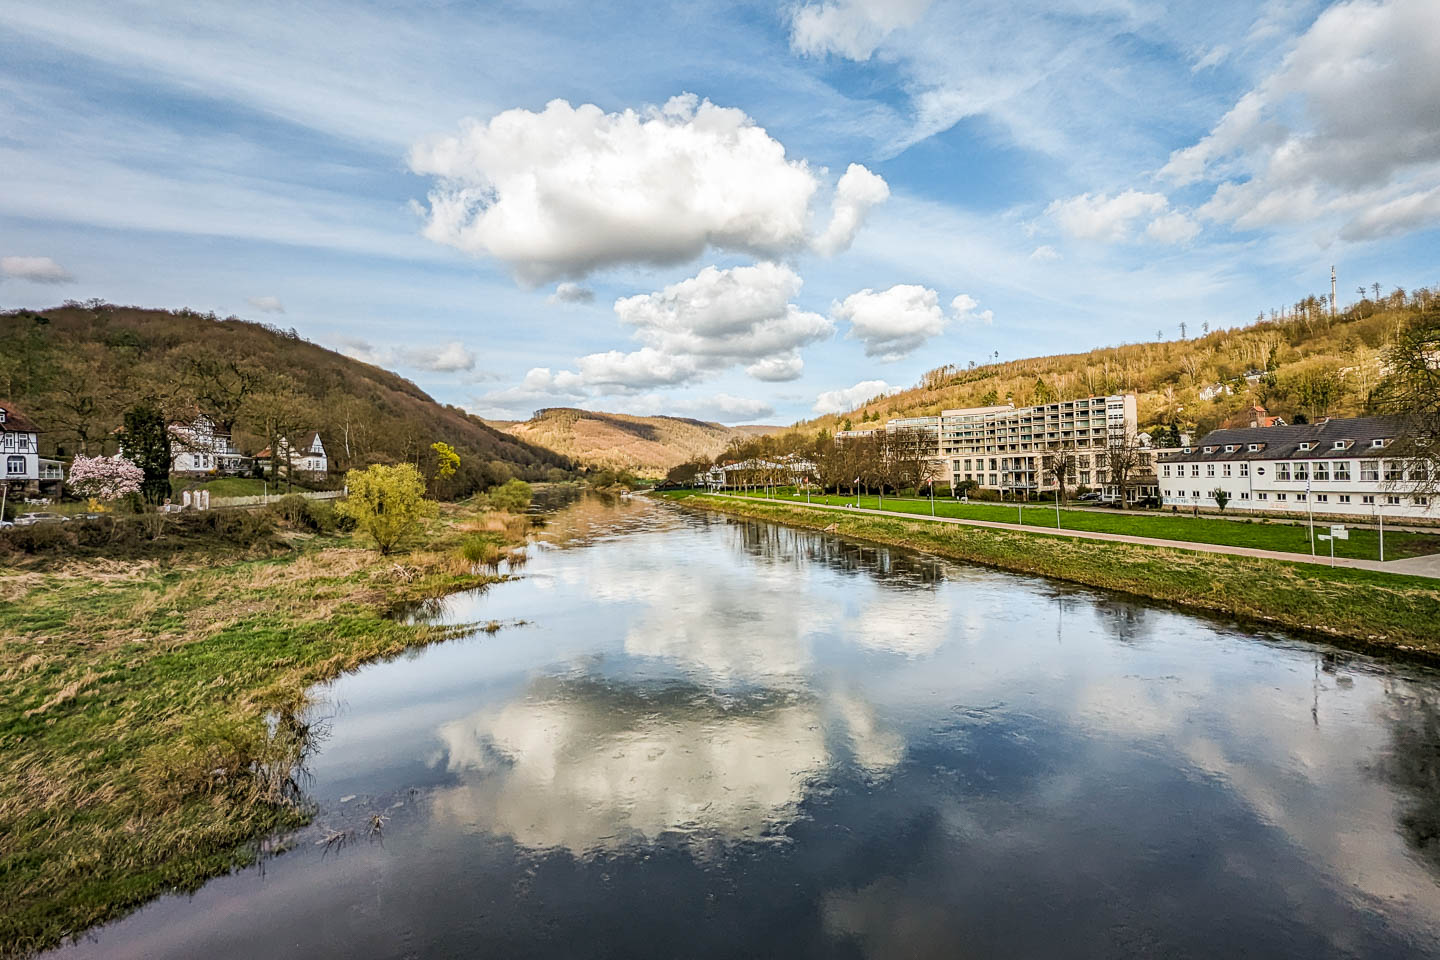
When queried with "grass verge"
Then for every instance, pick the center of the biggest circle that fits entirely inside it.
(1361, 608)
(152, 713)
(1248, 532)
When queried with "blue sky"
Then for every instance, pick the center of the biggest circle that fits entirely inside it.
(744, 212)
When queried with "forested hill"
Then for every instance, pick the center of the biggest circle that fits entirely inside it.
(75, 370)
(647, 445)
(1302, 363)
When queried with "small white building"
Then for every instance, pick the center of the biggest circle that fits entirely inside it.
(1334, 467)
(19, 446)
(21, 465)
(200, 448)
(309, 456)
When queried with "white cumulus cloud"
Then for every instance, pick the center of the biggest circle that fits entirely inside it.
(1044, 254)
(848, 398)
(966, 309)
(450, 357)
(850, 28)
(856, 192)
(266, 304)
(561, 193)
(1343, 132)
(1102, 217)
(34, 269)
(1171, 228)
(689, 331)
(892, 323)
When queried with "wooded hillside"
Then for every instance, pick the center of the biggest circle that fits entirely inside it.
(647, 445)
(75, 370)
(1303, 363)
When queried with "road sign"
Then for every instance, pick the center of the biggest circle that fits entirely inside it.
(1339, 532)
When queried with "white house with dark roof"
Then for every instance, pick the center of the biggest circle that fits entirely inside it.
(200, 448)
(1334, 467)
(308, 456)
(21, 465)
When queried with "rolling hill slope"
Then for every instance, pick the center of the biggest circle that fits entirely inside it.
(647, 445)
(75, 369)
(1306, 364)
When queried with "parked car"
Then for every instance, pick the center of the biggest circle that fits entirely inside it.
(26, 519)
(1087, 497)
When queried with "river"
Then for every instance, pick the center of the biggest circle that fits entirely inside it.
(699, 737)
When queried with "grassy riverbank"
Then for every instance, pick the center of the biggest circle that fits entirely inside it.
(151, 712)
(1260, 534)
(1356, 606)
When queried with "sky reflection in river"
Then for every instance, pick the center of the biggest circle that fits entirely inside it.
(720, 739)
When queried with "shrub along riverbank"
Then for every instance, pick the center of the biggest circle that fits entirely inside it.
(1357, 607)
(152, 710)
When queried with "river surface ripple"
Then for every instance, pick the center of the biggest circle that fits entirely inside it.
(716, 738)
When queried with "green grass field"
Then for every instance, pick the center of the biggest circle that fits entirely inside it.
(1258, 534)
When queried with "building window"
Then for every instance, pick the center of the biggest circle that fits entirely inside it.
(1377, 443)
(1369, 470)
(14, 466)
(1262, 496)
(1195, 494)
(1244, 494)
(1344, 498)
(1255, 447)
(1422, 501)
(1279, 496)
(1393, 500)
(1300, 496)
(1394, 470)
(1302, 471)
(1209, 469)
(1322, 498)
(1244, 469)
(1165, 470)
(1322, 470)
(1368, 498)
(1225, 470)
(1282, 471)
(1340, 469)
(1194, 469)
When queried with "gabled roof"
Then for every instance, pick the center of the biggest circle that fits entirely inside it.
(1283, 442)
(15, 421)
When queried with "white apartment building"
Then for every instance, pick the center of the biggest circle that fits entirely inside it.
(1335, 467)
(1004, 447)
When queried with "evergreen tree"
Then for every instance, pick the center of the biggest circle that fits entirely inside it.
(147, 445)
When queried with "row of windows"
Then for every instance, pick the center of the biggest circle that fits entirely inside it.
(1321, 470)
(1366, 499)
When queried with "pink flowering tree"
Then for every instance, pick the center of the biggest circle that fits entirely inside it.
(105, 479)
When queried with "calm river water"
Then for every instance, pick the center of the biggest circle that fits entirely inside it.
(724, 739)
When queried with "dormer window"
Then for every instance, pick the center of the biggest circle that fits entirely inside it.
(1256, 447)
(1377, 442)
(1209, 449)
(2, 414)
(1307, 446)
(1342, 444)
(1229, 448)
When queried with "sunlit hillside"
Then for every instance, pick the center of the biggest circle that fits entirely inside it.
(648, 445)
(1304, 364)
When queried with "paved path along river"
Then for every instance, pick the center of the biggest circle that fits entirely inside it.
(1415, 566)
